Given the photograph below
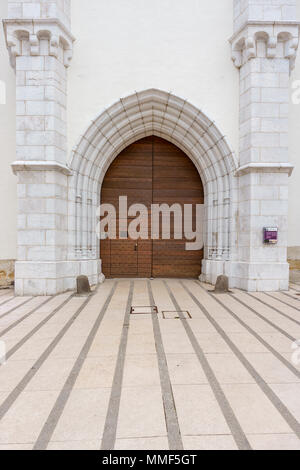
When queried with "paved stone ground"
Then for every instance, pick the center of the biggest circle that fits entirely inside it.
(82, 373)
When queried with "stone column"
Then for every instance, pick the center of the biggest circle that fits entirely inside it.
(40, 46)
(264, 48)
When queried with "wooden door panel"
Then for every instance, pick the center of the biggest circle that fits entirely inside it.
(176, 180)
(123, 258)
(151, 171)
(175, 271)
(130, 171)
(119, 270)
(111, 196)
(129, 183)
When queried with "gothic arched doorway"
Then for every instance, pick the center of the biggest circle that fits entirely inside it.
(152, 171)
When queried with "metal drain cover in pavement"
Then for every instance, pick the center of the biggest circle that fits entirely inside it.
(176, 315)
(144, 310)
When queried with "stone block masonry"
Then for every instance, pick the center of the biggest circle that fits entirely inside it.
(264, 48)
(263, 10)
(40, 46)
(31, 9)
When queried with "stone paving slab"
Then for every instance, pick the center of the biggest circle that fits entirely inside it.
(83, 373)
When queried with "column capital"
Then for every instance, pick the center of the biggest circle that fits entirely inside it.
(34, 31)
(265, 39)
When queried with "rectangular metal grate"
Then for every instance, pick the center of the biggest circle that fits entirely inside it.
(144, 310)
(176, 315)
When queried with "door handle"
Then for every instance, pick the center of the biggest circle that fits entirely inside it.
(136, 247)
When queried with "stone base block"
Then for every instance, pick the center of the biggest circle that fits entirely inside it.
(259, 277)
(251, 277)
(51, 278)
(212, 269)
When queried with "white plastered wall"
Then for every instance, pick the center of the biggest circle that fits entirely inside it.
(134, 45)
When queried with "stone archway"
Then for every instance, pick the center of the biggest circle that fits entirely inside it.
(154, 112)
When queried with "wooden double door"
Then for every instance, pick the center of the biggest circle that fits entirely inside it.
(151, 171)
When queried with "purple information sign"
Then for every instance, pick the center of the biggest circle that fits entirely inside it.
(270, 235)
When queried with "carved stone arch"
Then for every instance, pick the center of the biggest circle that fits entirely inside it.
(142, 114)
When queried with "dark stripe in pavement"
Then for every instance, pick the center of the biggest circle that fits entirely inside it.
(274, 308)
(16, 323)
(16, 392)
(15, 308)
(291, 296)
(262, 317)
(282, 301)
(278, 404)
(17, 346)
(10, 298)
(259, 338)
(231, 420)
(173, 429)
(111, 422)
(58, 408)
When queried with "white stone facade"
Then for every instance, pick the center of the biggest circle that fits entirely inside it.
(246, 189)
(264, 47)
(40, 48)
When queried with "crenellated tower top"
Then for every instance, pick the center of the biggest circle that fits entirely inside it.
(30, 25)
(264, 29)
